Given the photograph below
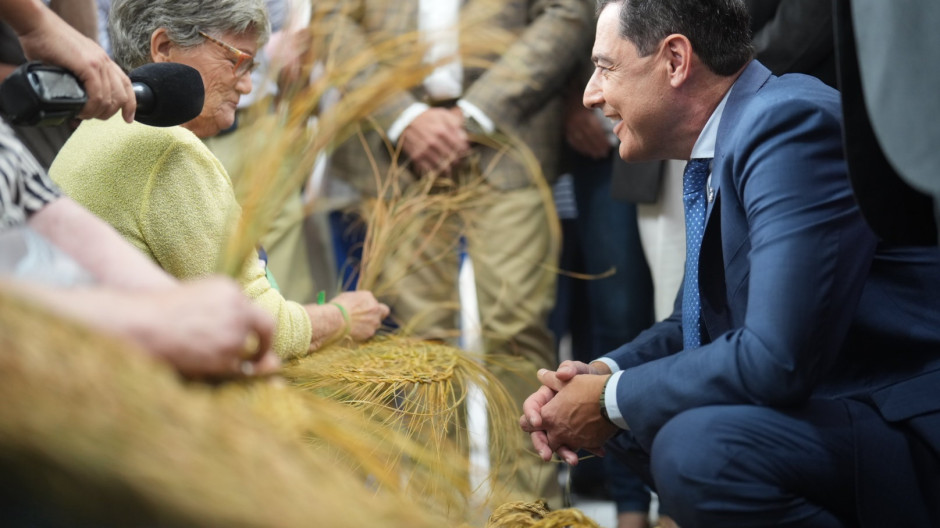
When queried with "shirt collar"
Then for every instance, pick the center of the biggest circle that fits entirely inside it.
(705, 144)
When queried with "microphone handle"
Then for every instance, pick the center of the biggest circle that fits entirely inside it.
(145, 98)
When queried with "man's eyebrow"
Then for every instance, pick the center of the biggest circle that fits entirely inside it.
(599, 58)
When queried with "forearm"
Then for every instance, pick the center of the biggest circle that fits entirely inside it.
(201, 328)
(327, 323)
(23, 16)
(100, 308)
(98, 247)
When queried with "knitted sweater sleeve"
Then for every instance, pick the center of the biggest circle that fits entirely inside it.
(188, 213)
(293, 332)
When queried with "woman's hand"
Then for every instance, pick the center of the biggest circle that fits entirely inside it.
(355, 314)
(365, 313)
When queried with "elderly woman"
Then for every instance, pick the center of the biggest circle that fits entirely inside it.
(164, 190)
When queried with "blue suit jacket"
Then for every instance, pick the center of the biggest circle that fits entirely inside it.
(799, 300)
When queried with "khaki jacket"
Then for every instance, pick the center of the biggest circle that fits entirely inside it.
(520, 90)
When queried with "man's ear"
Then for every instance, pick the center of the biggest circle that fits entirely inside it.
(160, 46)
(677, 57)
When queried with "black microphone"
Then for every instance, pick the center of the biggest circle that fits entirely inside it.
(37, 94)
(168, 93)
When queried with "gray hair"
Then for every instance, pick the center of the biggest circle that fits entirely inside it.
(132, 22)
(719, 30)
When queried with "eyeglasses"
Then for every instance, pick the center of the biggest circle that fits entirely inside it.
(244, 63)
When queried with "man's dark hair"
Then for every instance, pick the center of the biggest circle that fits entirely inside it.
(718, 29)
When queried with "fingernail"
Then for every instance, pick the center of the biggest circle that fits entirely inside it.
(542, 371)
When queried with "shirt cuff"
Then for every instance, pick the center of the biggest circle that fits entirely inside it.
(470, 110)
(610, 401)
(611, 364)
(405, 119)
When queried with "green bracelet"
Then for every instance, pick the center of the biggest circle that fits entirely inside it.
(603, 402)
(346, 319)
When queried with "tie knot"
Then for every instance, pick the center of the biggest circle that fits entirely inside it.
(695, 174)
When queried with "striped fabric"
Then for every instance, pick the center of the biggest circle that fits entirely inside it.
(25, 188)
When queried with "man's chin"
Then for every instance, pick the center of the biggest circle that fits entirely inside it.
(637, 152)
(631, 155)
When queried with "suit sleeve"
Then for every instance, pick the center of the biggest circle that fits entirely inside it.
(293, 331)
(810, 252)
(537, 65)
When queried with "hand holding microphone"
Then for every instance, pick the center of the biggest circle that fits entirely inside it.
(47, 38)
(36, 94)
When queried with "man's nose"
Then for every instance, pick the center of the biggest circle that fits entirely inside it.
(593, 96)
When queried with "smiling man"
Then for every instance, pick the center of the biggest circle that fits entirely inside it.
(797, 382)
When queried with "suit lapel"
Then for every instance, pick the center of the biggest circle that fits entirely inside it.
(723, 263)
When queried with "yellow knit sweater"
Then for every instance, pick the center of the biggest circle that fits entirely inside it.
(167, 194)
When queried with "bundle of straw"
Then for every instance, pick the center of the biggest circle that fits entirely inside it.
(94, 432)
(419, 389)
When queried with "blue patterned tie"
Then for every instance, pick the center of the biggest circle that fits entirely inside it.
(693, 196)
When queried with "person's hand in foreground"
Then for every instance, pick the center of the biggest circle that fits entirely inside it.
(205, 329)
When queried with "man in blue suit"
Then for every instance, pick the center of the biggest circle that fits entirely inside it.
(800, 385)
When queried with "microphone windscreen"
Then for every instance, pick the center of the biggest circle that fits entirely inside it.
(171, 93)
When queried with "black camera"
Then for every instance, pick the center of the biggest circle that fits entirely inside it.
(37, 94)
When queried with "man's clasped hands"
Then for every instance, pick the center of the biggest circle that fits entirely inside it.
(564, 414)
